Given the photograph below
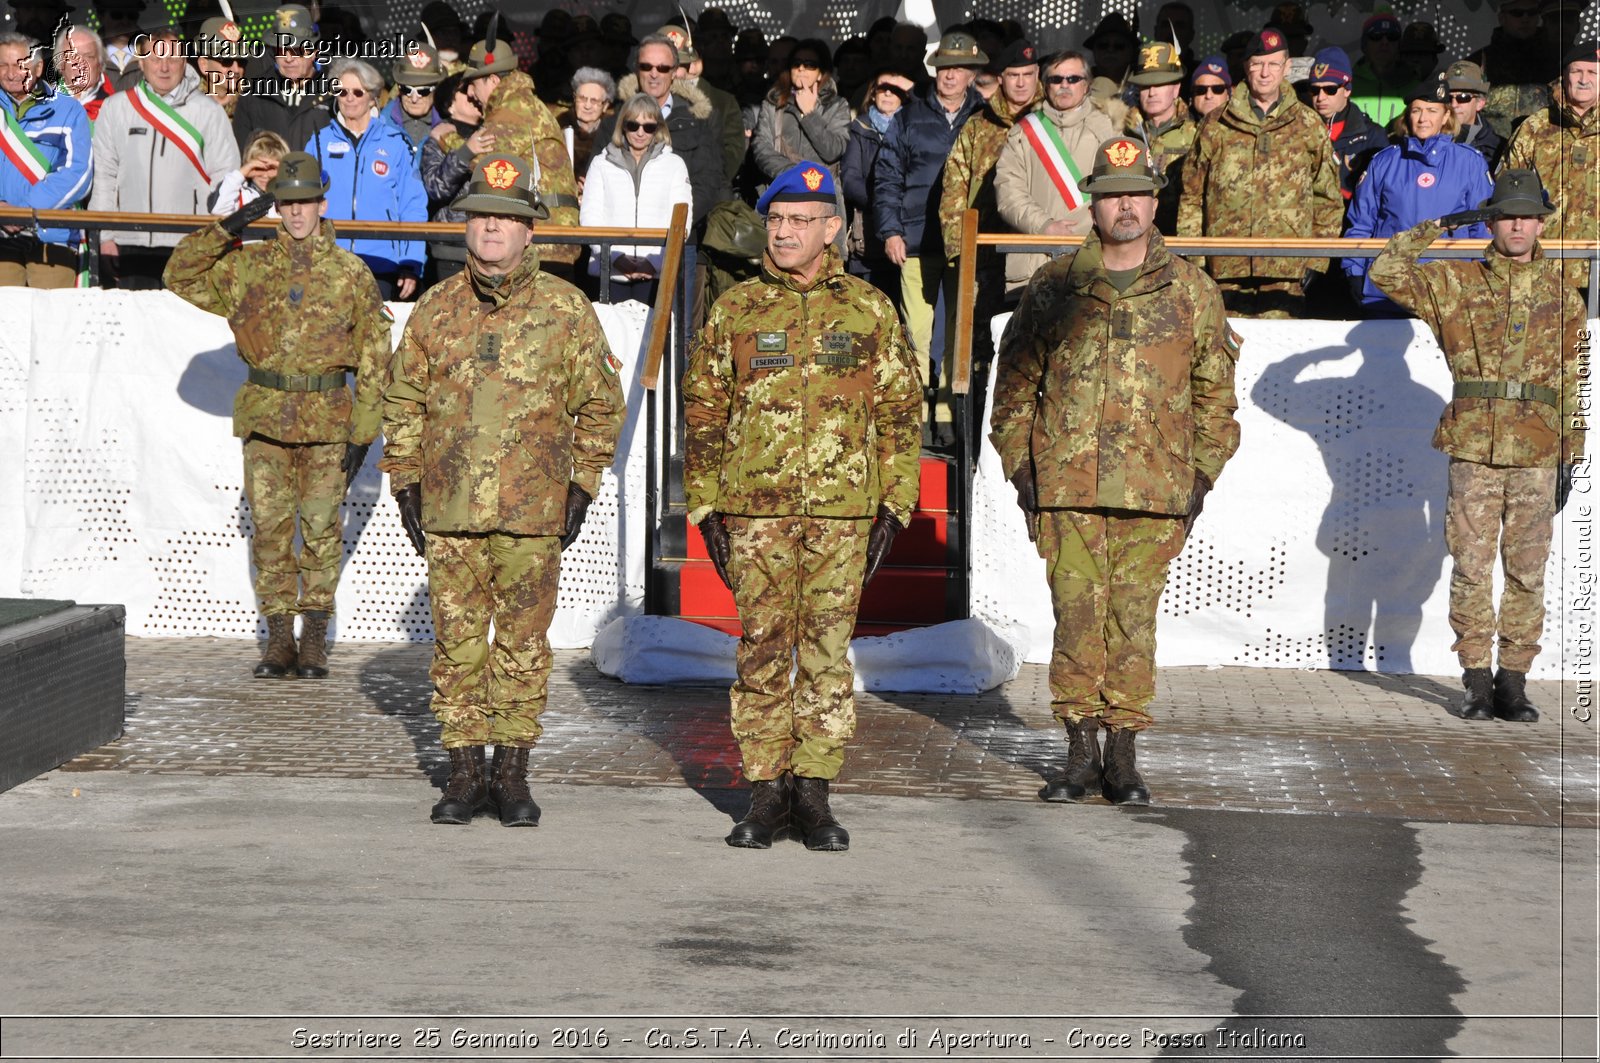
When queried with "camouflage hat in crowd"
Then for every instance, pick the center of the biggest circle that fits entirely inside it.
(299, 177)
(1122, 164)
(419, 66)
(292, 27)
(1158, 64)
(485, 59)
(1462, 76)
(958, 49)
(221, 38)
(682, 41)
(1518, 193)
(503, 184)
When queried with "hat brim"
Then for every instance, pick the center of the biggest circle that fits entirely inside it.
(410, 75)
(1157, 77)
(1517, 206)
(1113, 185)
(481, 203)
(499, 66)
(298, 193)
(977, 62)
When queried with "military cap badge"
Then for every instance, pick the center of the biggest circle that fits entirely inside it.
(1150, 55)
(285, 19)
(1318, 70)
(501, 175)
(419, 59)
(812, 178)
(229, 31)
(1271, 39)
(1122, 153)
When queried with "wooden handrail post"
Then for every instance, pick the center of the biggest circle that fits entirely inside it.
(966, 303)
(666, 286)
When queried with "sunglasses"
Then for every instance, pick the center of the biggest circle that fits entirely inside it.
(302, 51)
(1211, 90)
(1070, 79)
(640, 127)
(895, 89)
(1327, 90)
(354, 93)
(645, 68)
(804, 64)
(1389, 35)
(1464, 97)
(417, 90)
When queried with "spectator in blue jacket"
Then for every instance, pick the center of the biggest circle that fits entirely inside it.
(887, 93)
(45, 164)
(1428, 175)
(372, 176)
(414, 107)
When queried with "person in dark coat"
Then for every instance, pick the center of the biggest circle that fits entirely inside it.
(289, 101)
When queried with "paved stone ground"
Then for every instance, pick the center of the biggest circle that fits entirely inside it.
(1226, 738)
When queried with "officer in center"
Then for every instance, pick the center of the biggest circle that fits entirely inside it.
(802, 408)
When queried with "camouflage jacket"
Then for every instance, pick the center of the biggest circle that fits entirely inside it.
(1117, 400)
(1169, 143)
(295, 307)
(1254, 176)
(1502, 321)
(524, 126)
(802, 401)
(502, 395)
(968, 179)
(1565, 149)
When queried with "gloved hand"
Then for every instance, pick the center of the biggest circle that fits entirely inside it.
(1028, 500)
(355, 455)
(1202, 487)
(715, 534)
(1463, 218)
(409, 499)
(234, 224)
(1563, 485)
(577, 508)
(884, 529)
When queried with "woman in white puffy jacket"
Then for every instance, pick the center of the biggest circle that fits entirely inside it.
(634, 183)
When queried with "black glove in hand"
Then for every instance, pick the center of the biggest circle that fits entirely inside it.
(409, 499)
(234, 224)
(577, 508)
(1028, 500)
(1462, 218)
(355, 456)
(884, 529)
(1563, 485)
(1197, 502)
(718, 548)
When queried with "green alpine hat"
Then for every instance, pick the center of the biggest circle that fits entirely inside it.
(419, 66)
(503, 184)
(292, 27)
(1158, 64)
(1518, 193)
(485, 58)
(1122, 164)
(299, 177)
(958, 49)
(221, 38)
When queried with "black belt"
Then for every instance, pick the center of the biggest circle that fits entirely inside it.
(1506, 389)
(297, 381)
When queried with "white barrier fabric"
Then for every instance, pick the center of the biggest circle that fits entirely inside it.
(131, 485)
(1322, 545)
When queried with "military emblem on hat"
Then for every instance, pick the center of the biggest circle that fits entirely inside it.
(1122, 153)
(419, 59)
(285, 19)
(1272, 40)
(812, 178)
(500, 174)
(1150, 55)
(1319, 70)
(229, 31)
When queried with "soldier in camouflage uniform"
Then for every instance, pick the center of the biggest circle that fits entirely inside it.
(1511, 333)
(1562, 143)
(1113, 417)
(1162, 121)
(802, 413)
(503, 411)
(521, 125)
(1263, 166)
(305, 314)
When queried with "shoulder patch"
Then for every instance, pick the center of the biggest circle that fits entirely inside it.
(611, 363)
(385, 313)
(1232, 340)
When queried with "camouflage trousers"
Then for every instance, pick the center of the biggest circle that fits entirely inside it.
(487, 692)
(797, 582)
(1248, 297)
(1107, 569)
(283, 481)
(1490, 508)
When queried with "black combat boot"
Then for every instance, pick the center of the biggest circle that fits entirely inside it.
(467, 791)
(1511, 697)
(1479, 704)
(279, 659)
(768, 815)
(313, 644)
(1123, 785)
(508, 786)
(1082, 776)
(818, 828)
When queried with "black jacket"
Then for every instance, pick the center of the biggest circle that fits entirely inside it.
(1359, 140)
(1489, 143)
(296, 123)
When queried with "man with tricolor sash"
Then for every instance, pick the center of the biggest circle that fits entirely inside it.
(160, 147)
(44, 164)
(1039, 176)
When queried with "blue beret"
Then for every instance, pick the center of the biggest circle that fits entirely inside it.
(804, 182)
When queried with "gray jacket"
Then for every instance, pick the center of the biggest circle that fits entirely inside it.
(783, 136)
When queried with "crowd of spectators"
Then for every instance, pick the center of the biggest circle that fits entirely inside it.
(1278, 133)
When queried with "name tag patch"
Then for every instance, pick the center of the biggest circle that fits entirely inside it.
(773, 361)
(843, 361)
(772, 341)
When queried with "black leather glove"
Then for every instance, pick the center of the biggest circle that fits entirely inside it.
(1463, 218)
(1197, 502)
(1563, 485)
(884, 529)
(355, 456)
(234, 224)
(577, 508)
(718, 548)
(1028, 500)
(409, 499)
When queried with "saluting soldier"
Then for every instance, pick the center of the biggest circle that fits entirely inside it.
(305, 314)
(1113, 417)
(503, 412)
(803, 427)
(1509, 329)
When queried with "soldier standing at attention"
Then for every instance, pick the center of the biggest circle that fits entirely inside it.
(305, 314)
(1113, 417)
(503, 411)
(802, 412)
(1509, 328)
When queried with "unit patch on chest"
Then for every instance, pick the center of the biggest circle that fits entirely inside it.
(772, 341)
(489, 347)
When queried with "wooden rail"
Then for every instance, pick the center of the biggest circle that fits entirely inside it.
(666, 288)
